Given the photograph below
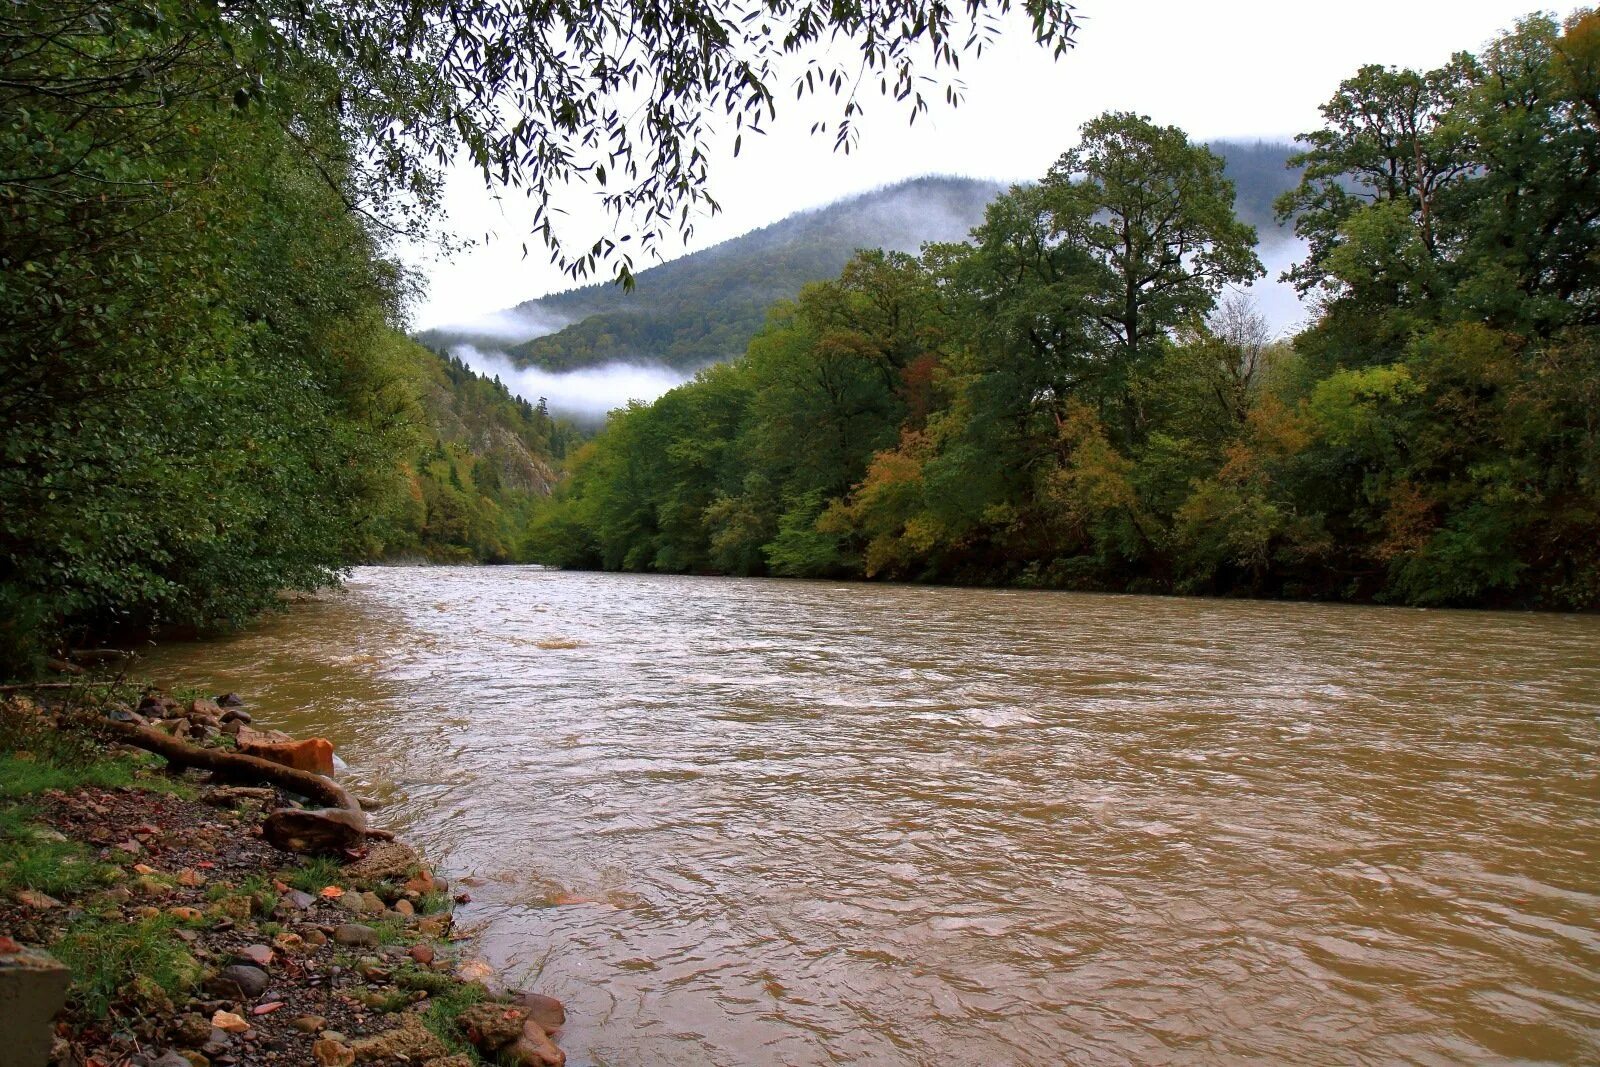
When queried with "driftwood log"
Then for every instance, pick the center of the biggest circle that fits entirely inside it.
(339, 826)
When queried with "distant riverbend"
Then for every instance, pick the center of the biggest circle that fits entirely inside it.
(740, 821)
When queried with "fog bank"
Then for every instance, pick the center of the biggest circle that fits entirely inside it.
(585, 394)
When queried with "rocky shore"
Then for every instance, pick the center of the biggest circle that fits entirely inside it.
(196, 933)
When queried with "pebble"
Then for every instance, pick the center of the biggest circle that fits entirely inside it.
(260, 955)
(423, 954)
(228, 1022)
(329, 1053)
(308, 1024)
(300, 899)
(356, 934)
(248, 982)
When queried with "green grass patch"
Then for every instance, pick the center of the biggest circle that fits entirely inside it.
(106, 957)
(432, 902)
(314, 874)
(26, 773)
(31, 858)
(444, 1007)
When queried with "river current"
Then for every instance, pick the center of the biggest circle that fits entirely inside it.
(736, 822)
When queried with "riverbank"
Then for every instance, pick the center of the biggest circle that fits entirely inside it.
(191, 940)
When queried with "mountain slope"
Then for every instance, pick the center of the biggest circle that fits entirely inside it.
(705, 307)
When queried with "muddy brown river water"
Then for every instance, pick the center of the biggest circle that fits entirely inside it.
(757, 822)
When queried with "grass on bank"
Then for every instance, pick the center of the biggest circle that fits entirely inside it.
(106, 956)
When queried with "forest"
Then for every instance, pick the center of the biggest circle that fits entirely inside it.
(208, 396)
(1077, 397)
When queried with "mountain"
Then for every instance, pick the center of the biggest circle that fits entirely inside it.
(704, 307)
(482, 459)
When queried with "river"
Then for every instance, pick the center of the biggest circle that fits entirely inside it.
(736, 822)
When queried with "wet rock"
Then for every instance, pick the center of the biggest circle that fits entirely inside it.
(330, 1053)
(356, 935)
(548, 1012)
(230, 700)
(323, 830)
(252, 736)
(491, 1026)
(201, 707)
(229, 1023)
(422, 954)
(410, 1040)
(534, 1049)
(239, 982)
(314, 754)
(475, 971)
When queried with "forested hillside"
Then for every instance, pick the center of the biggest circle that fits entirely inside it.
(479, 461)
(1071, 399)
(705, 307)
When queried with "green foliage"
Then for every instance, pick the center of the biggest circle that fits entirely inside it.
(1063, 401)
(472, 485)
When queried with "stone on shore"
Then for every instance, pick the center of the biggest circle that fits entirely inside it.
(238, 981)
(322, 830)
(534, 1049)
(548, 1012)
(228, 1022)
(33, 987)
(314, 754)
(492, 1026)
(330, 1053)
(410, 1040)
(387, 861)
(356, 935)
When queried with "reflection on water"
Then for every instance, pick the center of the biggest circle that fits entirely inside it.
(740, 822)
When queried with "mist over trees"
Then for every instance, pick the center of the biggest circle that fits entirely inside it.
(1073, 399)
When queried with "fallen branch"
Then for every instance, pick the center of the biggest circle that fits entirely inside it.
(232, 764)
(28, 687)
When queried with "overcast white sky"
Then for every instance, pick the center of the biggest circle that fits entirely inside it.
(1217, 68)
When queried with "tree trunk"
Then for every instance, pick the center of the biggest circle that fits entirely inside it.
(232, 764)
